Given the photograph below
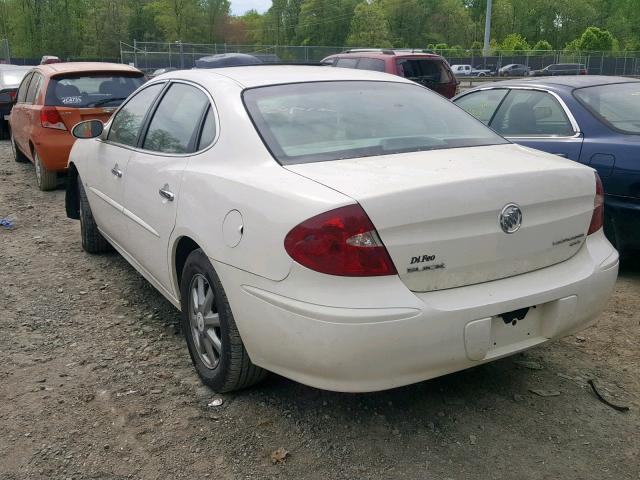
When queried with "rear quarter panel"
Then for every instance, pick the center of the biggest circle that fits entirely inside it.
(238, 173)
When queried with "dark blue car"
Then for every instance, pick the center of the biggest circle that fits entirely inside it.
(593, 120)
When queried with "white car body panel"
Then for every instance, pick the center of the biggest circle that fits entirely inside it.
(346, 333)
(444, 204)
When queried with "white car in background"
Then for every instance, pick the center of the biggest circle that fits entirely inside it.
(347, 229)
(469, 71)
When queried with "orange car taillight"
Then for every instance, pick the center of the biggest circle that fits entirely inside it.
(50, 118)
(597, 219)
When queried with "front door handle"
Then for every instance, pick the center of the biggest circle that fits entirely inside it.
(116, 171)
(166, 193)
(563, 155)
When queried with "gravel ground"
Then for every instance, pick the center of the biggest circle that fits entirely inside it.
(96, 382)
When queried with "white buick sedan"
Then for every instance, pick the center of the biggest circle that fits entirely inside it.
(347, 229)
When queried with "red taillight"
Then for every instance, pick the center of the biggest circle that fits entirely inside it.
(50, 118)
(340, 242)
(597, 219)
(583, 71)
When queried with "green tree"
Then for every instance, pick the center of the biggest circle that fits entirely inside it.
(369, 26)
(324, 22)
(514, 42)
(542, 45)
(594, 40)
(476, 47)
(572, 46)
(406, 20)
(216, 16)
(252, 22)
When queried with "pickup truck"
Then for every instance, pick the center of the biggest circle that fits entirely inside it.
(469, 71)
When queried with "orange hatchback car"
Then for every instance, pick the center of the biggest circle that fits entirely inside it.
(52, 99)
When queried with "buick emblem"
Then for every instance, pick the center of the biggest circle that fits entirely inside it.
(510, 218)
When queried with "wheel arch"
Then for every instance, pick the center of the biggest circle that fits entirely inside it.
(182, 248)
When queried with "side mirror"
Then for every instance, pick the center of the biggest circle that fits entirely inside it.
(88, 129)
(7, 98)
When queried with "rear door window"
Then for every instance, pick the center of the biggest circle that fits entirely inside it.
(127, 122)
(24, 87)
(424, 71)
(34, 87)
(347, 62)
(208, 133)
(482, 104)
(92, 90)
(174, 126)
(531, 113)
(371, 64)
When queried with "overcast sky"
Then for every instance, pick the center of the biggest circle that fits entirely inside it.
(238, 7)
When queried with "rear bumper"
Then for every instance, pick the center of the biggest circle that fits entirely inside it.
(625, 213)
(375, 334)
(53, 147)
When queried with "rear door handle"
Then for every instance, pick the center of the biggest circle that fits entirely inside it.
(116, 171)
(166, 193)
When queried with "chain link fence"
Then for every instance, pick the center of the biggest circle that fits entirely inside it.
(152, 55)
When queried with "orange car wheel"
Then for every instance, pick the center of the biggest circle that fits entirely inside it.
(47, 180)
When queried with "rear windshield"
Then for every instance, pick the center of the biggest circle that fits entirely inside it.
(617, 105)
(92, 90)
(423, 70)
(321, 121)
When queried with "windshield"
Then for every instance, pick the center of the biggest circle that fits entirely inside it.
(320, 121)
(616, 105)
(92, 90)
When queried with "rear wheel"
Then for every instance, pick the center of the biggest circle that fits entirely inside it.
(47, 180)
(214, 342)
(92, 239)
(17, 154)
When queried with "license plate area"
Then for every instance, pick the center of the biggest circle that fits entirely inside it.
(516, 326)
(517, 330)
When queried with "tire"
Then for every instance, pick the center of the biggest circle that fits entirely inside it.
(46, 179)
(18, 156)
(214, 342)
(92, 239)
(4, 129)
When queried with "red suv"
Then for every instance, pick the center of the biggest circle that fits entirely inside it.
(427, 69)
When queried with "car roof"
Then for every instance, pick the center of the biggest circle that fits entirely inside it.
(263, 75)
(51, 69)
(560, 82)
(384, 56)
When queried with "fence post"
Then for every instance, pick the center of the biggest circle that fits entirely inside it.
(180, 47)
(135, 53)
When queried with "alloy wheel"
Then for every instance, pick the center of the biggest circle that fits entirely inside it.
(204, 321)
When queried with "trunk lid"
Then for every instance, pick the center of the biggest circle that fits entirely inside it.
(70, 116)
(438, 212)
